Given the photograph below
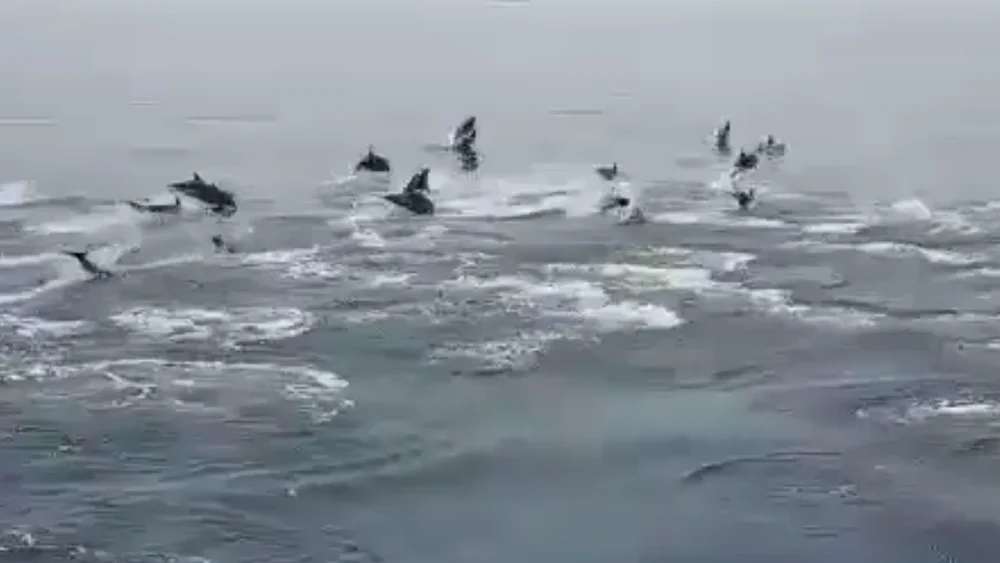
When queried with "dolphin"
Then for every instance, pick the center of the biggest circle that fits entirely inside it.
(417, 203)
(195, 183)
(722, 138)
(469, 161)
(613, 201)
(635, 215)
(744, 162)
(419, 182)
(464, 133)
(221, 245)
(373, 162)
(413, 197)
(607, 172)
(220, 201)
(744, 198)
(468, 157)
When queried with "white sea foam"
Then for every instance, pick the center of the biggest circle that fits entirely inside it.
(230, 327)
(207, 386)
(580, 299)
(927, 410)
(34, 327)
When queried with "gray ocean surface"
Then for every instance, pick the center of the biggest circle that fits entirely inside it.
(518, 378)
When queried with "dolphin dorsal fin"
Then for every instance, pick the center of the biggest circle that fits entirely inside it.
(414, 183)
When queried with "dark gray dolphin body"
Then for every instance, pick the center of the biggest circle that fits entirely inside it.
(722, 138)
(220, 201)
(195, 184)
(468, 157)
(744, 198)
(415, 202)
(607, 172)
(463, 144)
(413, 196)
(465, 132)
(635, 217)
(373, 162)
(156, 207)
(745, 161)
(419, 182)
(87, 265)
(221, 245)
(614, 202)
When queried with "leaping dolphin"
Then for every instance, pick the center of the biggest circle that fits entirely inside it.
(419, 182)
(373, 162)
(607, 172)
(220, 201)
(468, 157)
(464, 133)
(744, 198)
(744, 162)
(413, 197)
(722, 138)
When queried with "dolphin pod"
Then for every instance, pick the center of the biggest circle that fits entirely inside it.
(462, 142)
(415, 194)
